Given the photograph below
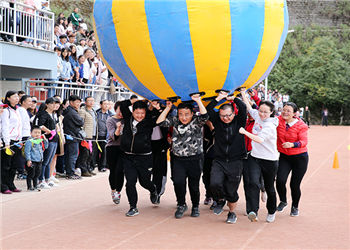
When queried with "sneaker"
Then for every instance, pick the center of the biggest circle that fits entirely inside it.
(180, 211)
(92, 172)
(132, 212)
(208, 201)
(154, 197)
(31, 189)
(270, 217)
(86, 174)
(52, 184)
(60, 175)
(195, 212)
(252, 217)
(16, 190)
(44, 185)
(263, 196)
(116, 197)
(77, 171)
(231, 217)
(102, 170)
(281, 206)
(77, 177)
(294, 212)
(7, 191)
(213, 205)
(54, 179)
(21, 177)
(158, 200)
(219, 207)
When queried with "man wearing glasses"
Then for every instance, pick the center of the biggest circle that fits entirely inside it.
(229, 152)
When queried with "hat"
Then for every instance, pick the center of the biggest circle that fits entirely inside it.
(52, 100)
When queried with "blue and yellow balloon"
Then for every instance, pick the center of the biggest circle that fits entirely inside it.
(165, 48)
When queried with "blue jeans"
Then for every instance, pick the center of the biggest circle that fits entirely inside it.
(49, 153)
(71, 150)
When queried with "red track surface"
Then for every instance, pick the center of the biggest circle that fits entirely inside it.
(81, 215)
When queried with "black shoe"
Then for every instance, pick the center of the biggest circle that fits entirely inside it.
(31, 189)
(281, 206)
(195, 212)
(231, 217)
(132, 212)
(219, 207)
(213, 205)
(180, 211)
(294, 212)
(158, 200)
(154, 197)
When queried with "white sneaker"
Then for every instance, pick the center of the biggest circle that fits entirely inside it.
(54, 179)
(51, 183)
(44, 185)
(263, 196)
(116, 197)
(270, 218)
(77, 171)
(252, 217)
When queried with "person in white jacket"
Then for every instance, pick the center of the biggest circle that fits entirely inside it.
(25, 103)
(263, 159)
(11, 134)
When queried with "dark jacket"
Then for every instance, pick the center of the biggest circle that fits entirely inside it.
(101, 122)
(229, 143)
(72, 122)
(139, 142)
(45, 119)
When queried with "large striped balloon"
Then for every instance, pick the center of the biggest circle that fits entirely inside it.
(165, 48)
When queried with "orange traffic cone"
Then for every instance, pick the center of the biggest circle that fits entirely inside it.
(336, 161)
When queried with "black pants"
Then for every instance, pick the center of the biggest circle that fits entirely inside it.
(159, 169)
(225, 178)
(268, 169)
(9, 167)
(137, 167)
(33, 174)
(20, 161)
(206, 176)
(325, 121)
(84, 159)
(98, 157)
(297, 164)
(115, 165)
(184, 168)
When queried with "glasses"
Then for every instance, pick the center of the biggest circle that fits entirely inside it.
(226, 116)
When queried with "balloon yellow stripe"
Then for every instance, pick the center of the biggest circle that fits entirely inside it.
(210, 28)
(105, 61)
(134, 42)
(274, 25)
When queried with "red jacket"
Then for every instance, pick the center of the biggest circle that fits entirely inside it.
(249, 127)
(296, 134)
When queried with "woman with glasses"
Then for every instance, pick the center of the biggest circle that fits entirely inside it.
(263, 158)
(291, 143)
(229, 152)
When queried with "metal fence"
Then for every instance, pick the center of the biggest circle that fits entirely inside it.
(21, 22)
(43, 89)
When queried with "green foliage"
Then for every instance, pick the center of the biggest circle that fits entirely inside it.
(314, 69)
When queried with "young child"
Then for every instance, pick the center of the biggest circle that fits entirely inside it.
(33, 152)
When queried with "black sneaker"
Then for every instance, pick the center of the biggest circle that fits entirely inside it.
(195, 212)
(180, 211)
(132, 212)
(154, 197)
(294, 212)
(158, 200)
(31, 189)
(213, 205)
(219, 207)
(231, 217)
(281, 206)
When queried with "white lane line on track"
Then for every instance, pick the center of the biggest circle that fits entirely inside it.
(257, 232)
(141, 232)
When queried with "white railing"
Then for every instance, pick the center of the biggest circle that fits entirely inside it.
(19, 21)
(43, 89)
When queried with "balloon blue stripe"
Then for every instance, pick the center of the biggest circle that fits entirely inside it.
(169, 32)
(280, 46)
(247, 29)
(110, 48)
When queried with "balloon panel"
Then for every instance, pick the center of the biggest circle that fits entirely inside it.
(161, 48)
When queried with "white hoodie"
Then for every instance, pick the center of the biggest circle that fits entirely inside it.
(11, 125)
(267, 150)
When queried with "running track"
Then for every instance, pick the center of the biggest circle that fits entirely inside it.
(80, 214)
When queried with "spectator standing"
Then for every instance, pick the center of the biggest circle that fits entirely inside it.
(71, 40)
(11, 134)
(99, 146)
(307, 116)
(102, 76)
(80, 34)
(67, 72)
(75, 17)
(62, 30)
(72, 124)
(325, 117)
(81, 47)
(73, 59)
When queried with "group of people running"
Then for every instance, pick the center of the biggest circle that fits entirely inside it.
(242, 138)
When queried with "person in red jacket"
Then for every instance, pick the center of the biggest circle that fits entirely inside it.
(291, 143)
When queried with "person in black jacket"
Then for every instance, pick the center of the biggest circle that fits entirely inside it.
(137, 149)
(229, 152)
(72, 123)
